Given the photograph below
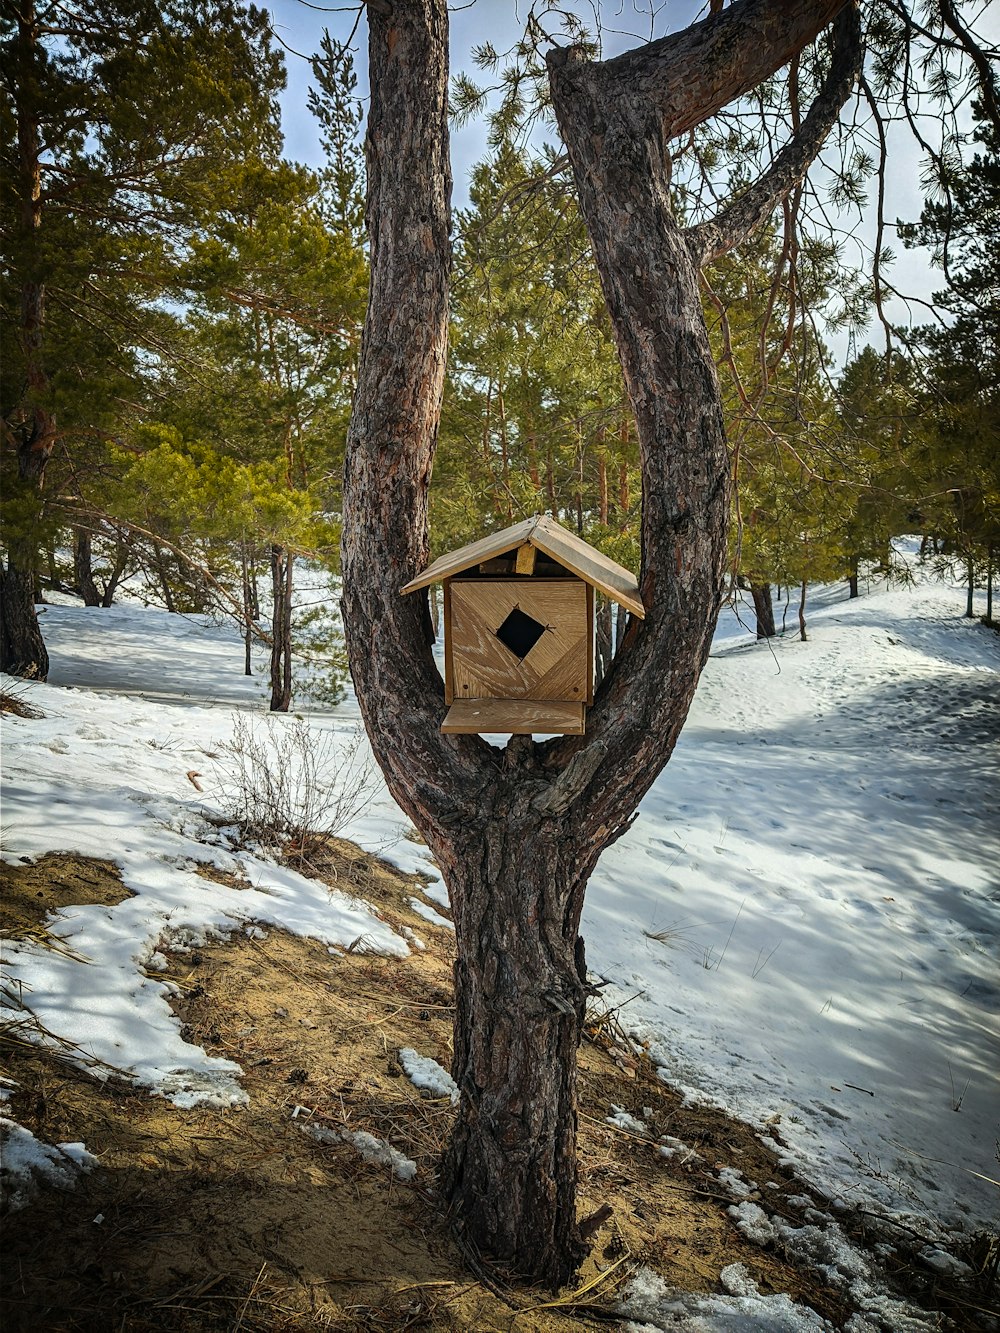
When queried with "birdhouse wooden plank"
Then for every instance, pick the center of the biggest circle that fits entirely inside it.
(523, 717)
(519, 628)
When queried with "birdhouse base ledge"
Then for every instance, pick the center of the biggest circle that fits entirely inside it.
(515, 717)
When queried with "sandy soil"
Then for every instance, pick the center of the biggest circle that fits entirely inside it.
(207, 1219)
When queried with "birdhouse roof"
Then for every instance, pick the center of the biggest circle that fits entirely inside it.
(553, 540)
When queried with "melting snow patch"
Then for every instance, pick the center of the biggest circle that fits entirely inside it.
(370, 1148)
(425, 1073)
(829, 1253)
(946, 1264)
(623, 1120)
(732, 1180)
(671, 1147)
(429, 914)
(651, 1305)
(29, 1164)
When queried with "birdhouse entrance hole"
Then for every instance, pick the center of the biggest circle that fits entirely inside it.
(520, 633)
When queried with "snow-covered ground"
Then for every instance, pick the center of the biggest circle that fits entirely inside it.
(805, 918)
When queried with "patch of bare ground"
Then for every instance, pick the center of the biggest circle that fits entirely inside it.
(30, 892)
(205, 1219)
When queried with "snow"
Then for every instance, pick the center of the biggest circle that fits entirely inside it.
(732, 1181)
(428, 913)
(26, 1164)
(820, 860)
(650, 1305)
(369, 1147)
(425, 1073)
(622, 1119)
(824, 1248)
(806, 911)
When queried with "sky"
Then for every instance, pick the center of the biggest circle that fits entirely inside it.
(624, 24)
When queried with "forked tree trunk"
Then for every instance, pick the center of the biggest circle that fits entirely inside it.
(517, 835)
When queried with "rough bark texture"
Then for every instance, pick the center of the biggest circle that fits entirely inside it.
(763, 609)
(83, 569)
(282, 572)
(520, 994)
(517, 832)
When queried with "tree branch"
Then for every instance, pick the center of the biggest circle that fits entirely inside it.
(734, 224)
(690, 75)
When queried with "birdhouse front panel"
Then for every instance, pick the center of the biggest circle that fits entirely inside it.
(518, 639)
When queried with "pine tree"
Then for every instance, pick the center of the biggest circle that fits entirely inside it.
(958, 448)
(118, 124)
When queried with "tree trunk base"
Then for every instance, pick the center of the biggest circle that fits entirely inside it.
(509, 1169)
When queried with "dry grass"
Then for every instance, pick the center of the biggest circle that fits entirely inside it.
(238, 1220)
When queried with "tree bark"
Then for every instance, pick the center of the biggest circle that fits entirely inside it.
(763, 609)
(83, 570)
(22, 649)
(517, 835)
(282, 574)
(509, 1170)
(802, 611)
(970, 587)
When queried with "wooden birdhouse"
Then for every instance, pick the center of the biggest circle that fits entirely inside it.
(519, 628)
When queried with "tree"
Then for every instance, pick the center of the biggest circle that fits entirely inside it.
(517, 835)
(957, 449)
(119, 123)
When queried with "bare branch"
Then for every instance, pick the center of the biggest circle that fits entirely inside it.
(734, 224)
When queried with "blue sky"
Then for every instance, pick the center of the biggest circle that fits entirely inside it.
(624, 23)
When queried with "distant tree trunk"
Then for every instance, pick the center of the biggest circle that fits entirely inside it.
(31, 423)
(164, 578)
(989, 583)
(970, 587)
(852, 580)
(122, 549)
(83, 570)
(763, 609)
(802, 611)
(621, 624)
(22, 649)
(603, 647)
(247, 610)
(517, 834)
(282, 567)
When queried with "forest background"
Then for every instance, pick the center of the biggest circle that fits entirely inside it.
(182, 308)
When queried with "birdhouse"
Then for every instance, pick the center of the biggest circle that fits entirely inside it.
(519, 628)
